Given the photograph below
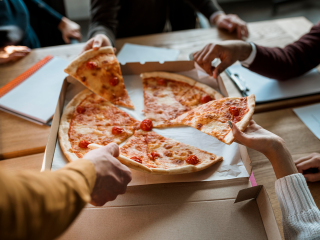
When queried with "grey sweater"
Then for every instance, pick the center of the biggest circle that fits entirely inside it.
(300, 215)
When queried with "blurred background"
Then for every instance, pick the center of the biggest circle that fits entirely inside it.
(247, 10)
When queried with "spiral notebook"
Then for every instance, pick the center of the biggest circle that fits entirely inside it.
(33, 95)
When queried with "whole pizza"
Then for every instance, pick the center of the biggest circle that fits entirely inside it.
(92, 119)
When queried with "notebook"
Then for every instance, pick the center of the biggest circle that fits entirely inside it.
(34, 94)
(266, 89)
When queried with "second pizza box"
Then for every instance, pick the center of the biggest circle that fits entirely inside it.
(203, 205)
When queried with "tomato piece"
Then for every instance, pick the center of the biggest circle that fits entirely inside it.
(205, 99)
(114, 81)
(81, 109)
(161, 82)
(234, 111)
(192, 159)
(146, 125)
(91, 65)
(137, 159)
(117, 130)
(154, 155)
(83, 144)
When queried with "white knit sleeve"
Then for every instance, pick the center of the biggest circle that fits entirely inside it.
(300, 215)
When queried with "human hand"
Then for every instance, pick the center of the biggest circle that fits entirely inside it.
(309, 162)
(112, 176)
(232, 23)
(228, 51)
(98, 41)
(271, 145)
(69, 29)
(13, 53)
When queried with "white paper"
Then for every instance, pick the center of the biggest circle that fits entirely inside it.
(230, 167)
(139, 53)
(266, 89)
(310, 116)
(37, 96)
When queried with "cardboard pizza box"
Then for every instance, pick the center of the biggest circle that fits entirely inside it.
(220, 209)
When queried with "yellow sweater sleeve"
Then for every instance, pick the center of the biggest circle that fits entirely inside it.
(42, 205)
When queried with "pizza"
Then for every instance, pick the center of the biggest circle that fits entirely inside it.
(89, 118)
(153, 153)
(99, 70)
(168, 95)
(212, 118)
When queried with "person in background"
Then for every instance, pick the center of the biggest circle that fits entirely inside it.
(300, 215)
(15, 13)
(42, 205)
(117, 19)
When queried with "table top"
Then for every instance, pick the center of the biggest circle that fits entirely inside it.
(20, 137)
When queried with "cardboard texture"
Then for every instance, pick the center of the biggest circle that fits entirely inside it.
(193, 210)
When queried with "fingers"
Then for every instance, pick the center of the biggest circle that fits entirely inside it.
(65, 38)
(226, 24)
(220, 68)
(305, 158)
(113, 149)
(97, 42)
(307, 164)
(239, 136)
(312, 177)
(88, 45)
(205, 57)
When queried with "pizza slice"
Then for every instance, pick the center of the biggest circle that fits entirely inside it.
(88, 119)
(99, 70)
(151, 152)
(212, 118)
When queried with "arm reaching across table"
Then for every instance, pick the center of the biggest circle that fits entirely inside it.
(42, 205)
(300, 215)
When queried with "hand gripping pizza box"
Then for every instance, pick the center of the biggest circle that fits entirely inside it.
(216, 203)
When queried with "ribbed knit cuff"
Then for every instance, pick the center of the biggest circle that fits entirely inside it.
(294, 195)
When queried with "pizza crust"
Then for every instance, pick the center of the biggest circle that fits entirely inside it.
(208, 90)
(242, 125)
(84, 57)
(65, 124)
(170, 76)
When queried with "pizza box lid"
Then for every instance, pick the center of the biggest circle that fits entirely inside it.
(223, 209)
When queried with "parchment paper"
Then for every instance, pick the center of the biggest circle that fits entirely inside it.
(230, 167)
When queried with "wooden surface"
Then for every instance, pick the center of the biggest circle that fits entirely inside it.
(18, 137)
(30, 162)
(300, 141)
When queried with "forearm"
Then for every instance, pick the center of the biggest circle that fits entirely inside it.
(281, 159)
(291, 61)
(104, 18)
(42, 205)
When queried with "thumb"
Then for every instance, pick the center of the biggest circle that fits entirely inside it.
(113, 149)
(220, 68)
(239, 136)
(97, 42)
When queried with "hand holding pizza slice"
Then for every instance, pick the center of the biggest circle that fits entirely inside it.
(212, 118)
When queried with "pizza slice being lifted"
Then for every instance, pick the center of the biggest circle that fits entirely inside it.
(212, 118)
(153, 153)
(169, 95)
(99, 70)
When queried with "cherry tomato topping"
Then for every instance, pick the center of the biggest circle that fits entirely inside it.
(83, 144)
(205, 99)
(137, 159)
(234, 111)
(192, 159)
(146, 125)
(155, 155)
(92, 65)
(81, 109)
(161, 82)
(117, 130)
(114, 81)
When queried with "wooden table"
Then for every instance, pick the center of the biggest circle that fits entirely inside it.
(19, 137)
(25, 142)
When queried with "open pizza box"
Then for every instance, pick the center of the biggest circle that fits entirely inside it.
(216, 203)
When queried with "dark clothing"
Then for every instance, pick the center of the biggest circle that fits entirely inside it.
(291, 61)
(126, 18)
(15, 12)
